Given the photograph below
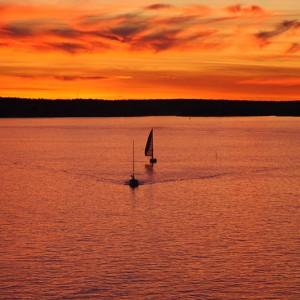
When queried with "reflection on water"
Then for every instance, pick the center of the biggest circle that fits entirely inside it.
(149, 169)
(216, 218)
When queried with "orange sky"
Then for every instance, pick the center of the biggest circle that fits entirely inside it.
(143, 49)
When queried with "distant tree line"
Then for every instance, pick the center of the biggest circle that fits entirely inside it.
(18, 107)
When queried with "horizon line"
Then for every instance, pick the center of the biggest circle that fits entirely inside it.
(147, 99)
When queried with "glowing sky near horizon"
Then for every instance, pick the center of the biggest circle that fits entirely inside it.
(120, 49)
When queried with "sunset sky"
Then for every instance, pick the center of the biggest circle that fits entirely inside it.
(107, 49)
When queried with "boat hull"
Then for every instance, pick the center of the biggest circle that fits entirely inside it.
(133, 182)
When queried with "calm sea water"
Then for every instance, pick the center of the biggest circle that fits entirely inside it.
(216, 218)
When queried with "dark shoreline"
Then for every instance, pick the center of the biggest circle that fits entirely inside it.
(35, 108)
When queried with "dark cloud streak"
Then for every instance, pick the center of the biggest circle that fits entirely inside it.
(71, 48)
(126, 31)
(280, 28)
(72, 78)
(295, 47)
(158, 41)
(18, 30)
(158, 6)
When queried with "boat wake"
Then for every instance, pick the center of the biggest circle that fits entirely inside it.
(190, 178)
(144, 178)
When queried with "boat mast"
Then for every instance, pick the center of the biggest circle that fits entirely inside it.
(152, 143)
(133, 158)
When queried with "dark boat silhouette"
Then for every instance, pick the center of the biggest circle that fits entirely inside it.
(133, 182)
(149, 148)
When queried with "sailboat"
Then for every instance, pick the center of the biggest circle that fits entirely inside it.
(133, 182)
(149, 148)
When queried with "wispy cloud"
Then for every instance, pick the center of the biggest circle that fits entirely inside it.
(58, 77)
(22, 89)
(158, 6)
(280, 28)
(60, 73)
(240, 10)
(68, 47)
(72, 77)
(264, 37)
(181, 27)
(63, 77)
(295, 47)
(273, 81)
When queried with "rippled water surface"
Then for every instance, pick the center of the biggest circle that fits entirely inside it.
(216, 218)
